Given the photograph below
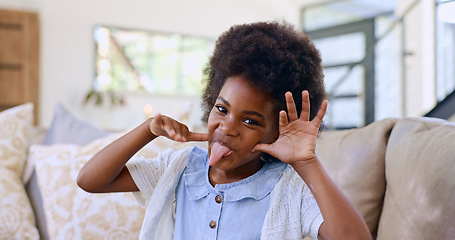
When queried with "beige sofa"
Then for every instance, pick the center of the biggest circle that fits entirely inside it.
(399, 173)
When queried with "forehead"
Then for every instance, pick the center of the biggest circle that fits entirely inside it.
(239, 92)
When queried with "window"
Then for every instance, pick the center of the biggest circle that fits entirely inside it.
(445, 48)
(152, 62)
(346, 58)
(360, 56)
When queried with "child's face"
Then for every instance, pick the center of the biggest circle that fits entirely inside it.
(241, 118)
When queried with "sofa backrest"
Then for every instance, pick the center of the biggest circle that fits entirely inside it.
(355, 160)
(399, 174)
(419, 200)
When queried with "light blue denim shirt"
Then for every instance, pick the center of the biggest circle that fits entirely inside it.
(226, 211)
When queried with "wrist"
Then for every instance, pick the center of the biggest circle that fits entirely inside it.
(146, 125)
(307, 163)
(307, 168)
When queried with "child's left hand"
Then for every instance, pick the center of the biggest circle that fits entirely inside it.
(297, 136)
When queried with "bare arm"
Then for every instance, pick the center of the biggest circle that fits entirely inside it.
(341, 219)
(106, 170)
(296, 146)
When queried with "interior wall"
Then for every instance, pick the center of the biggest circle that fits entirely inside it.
(24, 5)
(67, 46)
(419, 32)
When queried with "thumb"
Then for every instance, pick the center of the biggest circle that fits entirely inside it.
(263, 147)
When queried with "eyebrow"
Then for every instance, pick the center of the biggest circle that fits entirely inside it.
(246, 112)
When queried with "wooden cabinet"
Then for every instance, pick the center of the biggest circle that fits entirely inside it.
(19, 59)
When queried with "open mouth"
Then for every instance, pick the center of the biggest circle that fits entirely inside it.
(227, 154)
(217, 152)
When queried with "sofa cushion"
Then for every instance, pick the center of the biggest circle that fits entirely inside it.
(65, 128)
(72, 213)
(16, 215)
(420, 169)
(355, 160)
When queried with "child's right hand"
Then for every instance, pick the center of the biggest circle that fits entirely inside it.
(168, 127)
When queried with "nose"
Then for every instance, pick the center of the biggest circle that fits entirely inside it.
(228, 127)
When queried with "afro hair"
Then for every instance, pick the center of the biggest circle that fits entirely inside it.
(273, 57)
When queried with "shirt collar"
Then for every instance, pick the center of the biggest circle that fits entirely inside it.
(257, 186)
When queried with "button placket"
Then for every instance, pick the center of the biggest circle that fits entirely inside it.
(214, 213)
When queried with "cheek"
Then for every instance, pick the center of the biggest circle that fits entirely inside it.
(274, 136)
(252, 140)
(270, 135)
(273, 133)
(212, 116)
(211, 123)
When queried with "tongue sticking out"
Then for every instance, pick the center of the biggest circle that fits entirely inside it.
(217, 152)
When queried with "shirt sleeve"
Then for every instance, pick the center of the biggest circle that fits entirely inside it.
(311, 215)
(147, 172)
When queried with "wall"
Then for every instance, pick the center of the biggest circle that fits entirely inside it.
(24, 5)
(419, 32)
(67, 47)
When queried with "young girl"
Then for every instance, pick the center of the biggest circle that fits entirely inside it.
(260, 178)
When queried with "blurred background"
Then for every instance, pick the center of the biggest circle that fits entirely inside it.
(113, 63)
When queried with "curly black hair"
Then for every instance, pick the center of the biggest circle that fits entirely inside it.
(273, 57)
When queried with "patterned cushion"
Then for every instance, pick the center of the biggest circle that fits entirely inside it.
(65, 128)
(16, 215)
(72, 213)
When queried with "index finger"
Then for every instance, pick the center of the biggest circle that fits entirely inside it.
(318, 119)
(200, 137)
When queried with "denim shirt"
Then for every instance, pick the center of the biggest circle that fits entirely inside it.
(226, 211)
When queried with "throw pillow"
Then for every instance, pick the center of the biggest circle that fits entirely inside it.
(16, 215)
(65, 128)
(72, 213)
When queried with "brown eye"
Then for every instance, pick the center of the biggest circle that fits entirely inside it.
(221, 109)
(251, 122)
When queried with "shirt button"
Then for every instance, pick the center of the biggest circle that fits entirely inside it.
(212, 224)
(218, 199)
